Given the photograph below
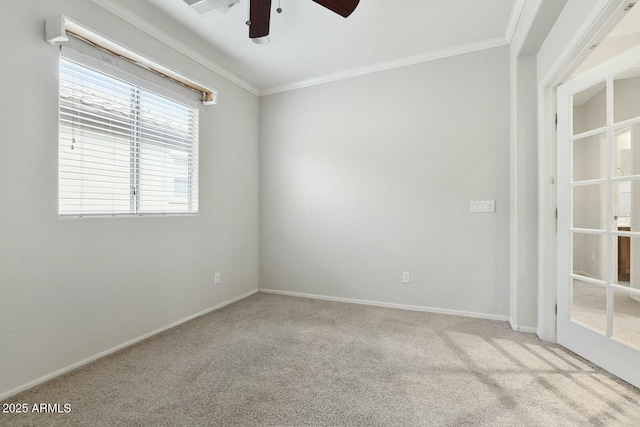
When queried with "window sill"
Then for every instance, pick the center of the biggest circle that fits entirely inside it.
(126, 215)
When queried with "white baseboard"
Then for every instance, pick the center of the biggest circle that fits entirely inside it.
(513, 324)
(525, 329)
(391, 305)
(540, 333)
(76, 365)
(585, 274)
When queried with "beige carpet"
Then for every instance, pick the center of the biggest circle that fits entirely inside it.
(274, 360)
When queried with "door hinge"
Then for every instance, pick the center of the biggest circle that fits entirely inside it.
(556, 121)
(556, 308)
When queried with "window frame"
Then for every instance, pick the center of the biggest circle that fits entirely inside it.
(139, 79)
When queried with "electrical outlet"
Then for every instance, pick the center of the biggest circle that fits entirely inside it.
(406, 277)
(216, 279)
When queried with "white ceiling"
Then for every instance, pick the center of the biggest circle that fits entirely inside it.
(308, 41)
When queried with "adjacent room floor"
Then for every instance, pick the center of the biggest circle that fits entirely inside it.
(590, 308)
(275, 360)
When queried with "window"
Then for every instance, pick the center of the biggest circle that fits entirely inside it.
(123, 149)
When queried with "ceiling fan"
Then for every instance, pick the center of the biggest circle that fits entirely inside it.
(260, 15)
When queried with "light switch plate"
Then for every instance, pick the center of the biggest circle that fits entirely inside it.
(483, 206)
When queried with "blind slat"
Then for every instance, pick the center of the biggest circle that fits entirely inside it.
(122, 146)
(124, 130)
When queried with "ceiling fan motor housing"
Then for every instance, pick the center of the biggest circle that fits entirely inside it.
(260, 13)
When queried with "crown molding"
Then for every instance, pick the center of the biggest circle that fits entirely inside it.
(389, 65)
(514, 18)
(123, 13)
(127, 15)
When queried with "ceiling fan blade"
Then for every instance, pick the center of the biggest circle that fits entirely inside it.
(341, 7)
(259, 17)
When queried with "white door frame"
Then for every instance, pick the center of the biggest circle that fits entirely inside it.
(599, 23)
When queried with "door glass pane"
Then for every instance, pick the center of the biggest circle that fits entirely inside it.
(588, 255)
(626, 206)
(589, 206)
(625, 149)
(589, 156)
(626, 93)
(626, 317)
(590, 109)
(622, 260)
(590, 305)
(626, 261)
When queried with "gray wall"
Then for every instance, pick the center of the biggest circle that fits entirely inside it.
(365, 178)
(525, 195)
(534, 23)
(73, 288)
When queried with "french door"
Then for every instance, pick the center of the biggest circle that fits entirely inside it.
(599, 215)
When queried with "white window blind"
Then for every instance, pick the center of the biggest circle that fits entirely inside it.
(123, 149)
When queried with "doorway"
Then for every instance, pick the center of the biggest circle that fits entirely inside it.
(599, 215)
